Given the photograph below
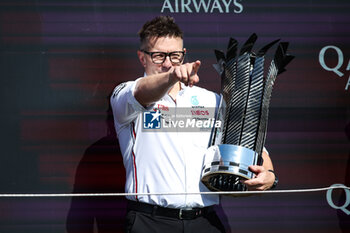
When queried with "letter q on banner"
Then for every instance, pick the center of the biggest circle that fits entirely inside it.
(340, 62)
(347, 199)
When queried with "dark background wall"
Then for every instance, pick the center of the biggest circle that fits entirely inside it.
(60, 60)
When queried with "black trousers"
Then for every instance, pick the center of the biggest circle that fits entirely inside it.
(140, 222)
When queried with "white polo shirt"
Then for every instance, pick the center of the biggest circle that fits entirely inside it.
(163, 162)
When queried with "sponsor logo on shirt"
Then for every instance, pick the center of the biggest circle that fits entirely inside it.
(161, 107)
(200, 112)
(194, 100)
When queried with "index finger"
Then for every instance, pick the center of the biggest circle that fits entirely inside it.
(196, 66)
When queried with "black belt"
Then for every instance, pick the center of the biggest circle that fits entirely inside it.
(156, 210)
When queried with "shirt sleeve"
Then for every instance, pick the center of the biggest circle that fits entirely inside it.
(124, 105)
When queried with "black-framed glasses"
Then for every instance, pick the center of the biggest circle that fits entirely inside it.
(176, 57)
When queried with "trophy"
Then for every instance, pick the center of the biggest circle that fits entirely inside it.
(243, 111)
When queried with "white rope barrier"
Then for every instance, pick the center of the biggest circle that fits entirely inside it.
(234, 193)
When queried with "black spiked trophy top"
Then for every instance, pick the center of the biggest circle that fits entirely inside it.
(243, 110)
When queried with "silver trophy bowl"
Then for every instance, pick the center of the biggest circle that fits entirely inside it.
(226, 165)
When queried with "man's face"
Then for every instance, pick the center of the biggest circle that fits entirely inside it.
(161, 44)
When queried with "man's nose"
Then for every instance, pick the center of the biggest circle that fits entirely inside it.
(167, 63)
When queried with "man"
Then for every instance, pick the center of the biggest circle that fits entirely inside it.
(168, 162)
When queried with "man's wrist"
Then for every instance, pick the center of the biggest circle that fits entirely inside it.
(275, 182)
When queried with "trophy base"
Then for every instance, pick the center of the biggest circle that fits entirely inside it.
(226, 165)
(223, 182)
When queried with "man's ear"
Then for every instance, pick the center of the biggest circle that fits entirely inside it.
(142, 58)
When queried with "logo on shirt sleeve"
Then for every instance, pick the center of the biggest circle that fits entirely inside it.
(118, 89)
(151, 120)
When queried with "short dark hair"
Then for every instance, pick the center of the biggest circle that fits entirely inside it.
(160, 26)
